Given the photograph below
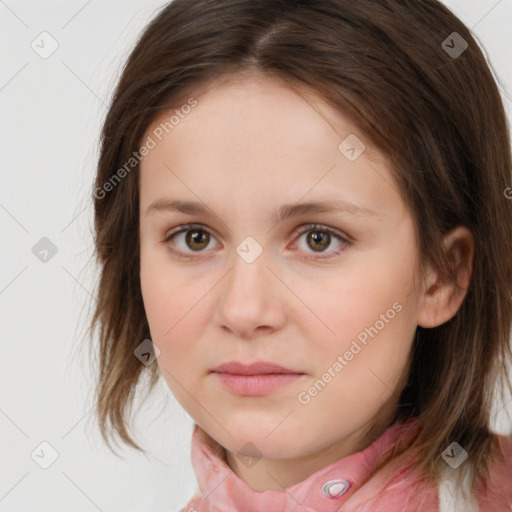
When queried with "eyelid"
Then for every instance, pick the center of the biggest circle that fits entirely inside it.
(322, 227)
(187, 227)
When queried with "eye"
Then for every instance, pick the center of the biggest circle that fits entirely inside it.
(320, 237)
(197, 238)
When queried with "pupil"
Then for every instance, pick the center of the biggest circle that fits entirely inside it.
(193, 237)
(317, 236)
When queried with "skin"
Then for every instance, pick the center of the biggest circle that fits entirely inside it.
(249, 146)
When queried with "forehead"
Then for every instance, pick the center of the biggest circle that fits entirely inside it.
(250, 90)
(252, 134)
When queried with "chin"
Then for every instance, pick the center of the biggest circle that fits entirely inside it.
(253, 440)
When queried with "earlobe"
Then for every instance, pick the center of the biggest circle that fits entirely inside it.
(440, 299)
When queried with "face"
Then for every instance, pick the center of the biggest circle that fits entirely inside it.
(328, 295)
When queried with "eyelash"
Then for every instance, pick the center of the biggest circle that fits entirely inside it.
(311, 227)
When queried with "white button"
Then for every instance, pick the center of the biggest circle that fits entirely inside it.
(335, 488)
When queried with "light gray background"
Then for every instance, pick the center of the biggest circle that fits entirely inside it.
(51, 112)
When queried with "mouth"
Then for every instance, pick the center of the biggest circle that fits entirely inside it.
(254, 379)
(257, 368)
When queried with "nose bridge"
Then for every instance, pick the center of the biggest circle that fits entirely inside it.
(245, 294)
(249, 268)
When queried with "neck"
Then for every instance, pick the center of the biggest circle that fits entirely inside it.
(279, 474)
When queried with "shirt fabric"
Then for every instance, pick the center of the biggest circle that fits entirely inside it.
(344, 486)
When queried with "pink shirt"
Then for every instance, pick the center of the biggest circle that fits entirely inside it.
(341, 485)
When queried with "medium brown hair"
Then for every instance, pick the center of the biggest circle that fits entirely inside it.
(438, 118)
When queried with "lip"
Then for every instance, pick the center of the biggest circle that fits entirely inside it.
(254, 379)
(257, 368)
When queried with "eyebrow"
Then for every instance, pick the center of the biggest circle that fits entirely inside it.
(285, 212)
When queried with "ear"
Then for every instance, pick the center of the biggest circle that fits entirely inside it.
(440, 301)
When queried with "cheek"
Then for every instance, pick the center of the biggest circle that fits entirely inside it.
(159, 295)
(174, 328)
(175, 309)
(368, 311)
(342, 307)
(176, 317)
(170, 314)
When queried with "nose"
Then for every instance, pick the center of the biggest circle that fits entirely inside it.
(251, 296)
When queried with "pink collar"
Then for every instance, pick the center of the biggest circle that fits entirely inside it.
(325, 490)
